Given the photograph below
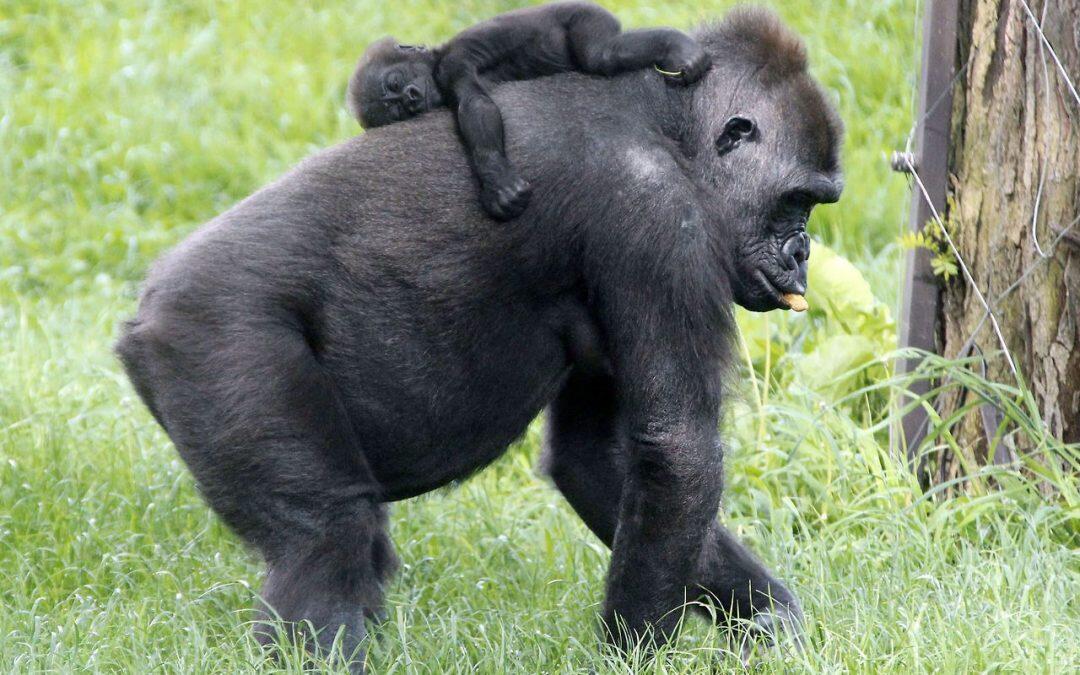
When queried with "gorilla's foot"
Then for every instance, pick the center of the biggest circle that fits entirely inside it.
(321, 592)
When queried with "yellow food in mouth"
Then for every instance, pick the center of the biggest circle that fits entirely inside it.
(796, 302)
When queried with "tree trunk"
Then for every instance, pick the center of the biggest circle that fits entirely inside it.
(1015, 158)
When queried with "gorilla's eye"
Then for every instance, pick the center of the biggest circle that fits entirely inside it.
(800, 200)
(736, 130)
(394, 81)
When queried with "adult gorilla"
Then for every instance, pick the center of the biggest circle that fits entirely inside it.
(359, 332)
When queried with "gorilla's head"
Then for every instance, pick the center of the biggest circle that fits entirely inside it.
(765, 143)
(392, 82)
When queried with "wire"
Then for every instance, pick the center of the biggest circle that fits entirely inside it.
(964, 268)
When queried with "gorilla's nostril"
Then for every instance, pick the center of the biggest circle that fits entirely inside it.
(413, 93)
(797, 248)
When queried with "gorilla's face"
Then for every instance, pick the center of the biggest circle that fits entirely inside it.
(768, 158)
(396, 82)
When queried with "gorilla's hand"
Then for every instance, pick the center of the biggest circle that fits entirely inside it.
(505, 195)
(685, 62)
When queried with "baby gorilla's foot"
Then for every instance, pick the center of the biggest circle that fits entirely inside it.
(684, 63)
(505, 196)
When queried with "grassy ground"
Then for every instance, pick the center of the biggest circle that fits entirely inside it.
(125, 124)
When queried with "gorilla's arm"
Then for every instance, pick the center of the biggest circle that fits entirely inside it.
(586, 456)
(504, 194)
(635, 451)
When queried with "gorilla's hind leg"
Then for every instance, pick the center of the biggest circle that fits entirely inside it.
(263, 429)
(330, 587)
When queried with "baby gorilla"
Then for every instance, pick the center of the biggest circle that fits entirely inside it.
(394, 82)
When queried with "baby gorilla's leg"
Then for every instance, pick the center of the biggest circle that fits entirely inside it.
(504, 194)
(681, 58)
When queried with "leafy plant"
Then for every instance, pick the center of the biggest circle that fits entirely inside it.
(932, 238)
(845, 329)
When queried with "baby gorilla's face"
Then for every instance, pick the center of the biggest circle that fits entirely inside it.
(397, 83)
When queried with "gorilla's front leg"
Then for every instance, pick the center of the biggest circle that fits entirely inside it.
(667, 406)
(585, 455)
(671, 492)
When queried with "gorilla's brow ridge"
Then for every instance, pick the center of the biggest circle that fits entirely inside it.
(758, 36)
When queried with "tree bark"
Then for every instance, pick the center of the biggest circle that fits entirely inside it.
(1015, 160)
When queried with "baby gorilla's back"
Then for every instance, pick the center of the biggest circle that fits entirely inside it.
(527, 43)
(393, 82)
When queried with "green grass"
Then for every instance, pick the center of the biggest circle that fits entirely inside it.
(123, 125)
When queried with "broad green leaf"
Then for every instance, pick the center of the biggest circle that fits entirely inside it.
(822, 369)
(837, 285)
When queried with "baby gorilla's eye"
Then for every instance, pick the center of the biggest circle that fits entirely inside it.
(395, 81)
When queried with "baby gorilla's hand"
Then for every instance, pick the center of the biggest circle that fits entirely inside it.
(504, 196)
(685, 62)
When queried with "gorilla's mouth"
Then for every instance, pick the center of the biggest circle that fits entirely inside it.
(784, 295)
(432, 97)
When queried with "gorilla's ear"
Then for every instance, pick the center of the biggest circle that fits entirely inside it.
(737, 130)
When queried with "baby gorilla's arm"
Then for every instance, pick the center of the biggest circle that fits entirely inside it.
(601, 48)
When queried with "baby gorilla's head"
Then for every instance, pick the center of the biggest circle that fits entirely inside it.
(392, 82)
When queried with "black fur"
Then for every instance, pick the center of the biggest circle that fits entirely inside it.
(394, 82)
(354, 334)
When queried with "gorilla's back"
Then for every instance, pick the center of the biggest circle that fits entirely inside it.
(416, 304)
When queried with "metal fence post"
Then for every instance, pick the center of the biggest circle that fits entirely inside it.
(921, 295)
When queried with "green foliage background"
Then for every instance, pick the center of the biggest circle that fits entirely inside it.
(125, 124)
